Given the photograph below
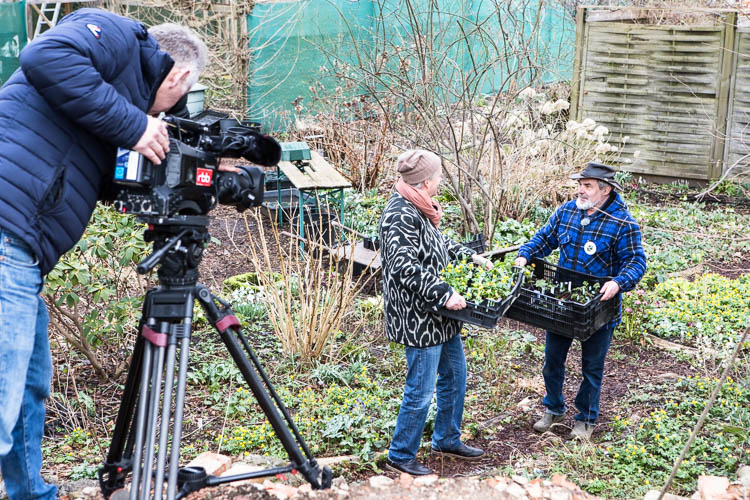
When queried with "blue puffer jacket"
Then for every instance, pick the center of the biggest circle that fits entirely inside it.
(82, 90)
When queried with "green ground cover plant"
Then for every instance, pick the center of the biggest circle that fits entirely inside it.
(713, 309)
(363, 210)
(637, 454)
(338, 410)
(684, 235)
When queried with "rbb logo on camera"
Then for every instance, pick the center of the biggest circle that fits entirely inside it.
(203, 176)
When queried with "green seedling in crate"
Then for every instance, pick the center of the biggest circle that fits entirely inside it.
(566, 291)
(478, 284)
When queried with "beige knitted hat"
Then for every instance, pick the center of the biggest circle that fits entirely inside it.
(417, 165)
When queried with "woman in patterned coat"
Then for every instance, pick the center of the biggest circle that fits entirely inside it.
(413, 253)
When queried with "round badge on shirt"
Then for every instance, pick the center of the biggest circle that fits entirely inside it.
(589, 248)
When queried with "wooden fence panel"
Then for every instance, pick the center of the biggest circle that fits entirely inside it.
(661, 87)
(738, 128)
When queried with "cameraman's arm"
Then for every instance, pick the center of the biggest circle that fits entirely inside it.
(70, 68)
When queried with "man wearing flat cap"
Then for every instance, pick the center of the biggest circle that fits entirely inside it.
(596, 235)
(413, 253)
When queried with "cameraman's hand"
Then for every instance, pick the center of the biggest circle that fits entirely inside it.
(226, 167)
(154, 143)
(455, 302)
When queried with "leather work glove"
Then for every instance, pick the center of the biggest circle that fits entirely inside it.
(482, 261)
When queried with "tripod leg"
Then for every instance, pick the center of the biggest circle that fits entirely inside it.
(179, 404)
(277, 414)
(113, 471)
(141, 416)
(153, 415)
(166, 410)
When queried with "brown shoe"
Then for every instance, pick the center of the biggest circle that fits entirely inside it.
(547, 421)
(582, 431)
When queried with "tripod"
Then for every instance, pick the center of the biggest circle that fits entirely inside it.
(161, 354)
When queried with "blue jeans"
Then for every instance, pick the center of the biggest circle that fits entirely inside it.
(446, 365)
(25, 371)
(593, 352)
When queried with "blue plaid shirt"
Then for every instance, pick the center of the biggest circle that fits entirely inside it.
(609, 245)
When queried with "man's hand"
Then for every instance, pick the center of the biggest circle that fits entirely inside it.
(520, 261)
(609, 290)
(456, 302)
(154, 143)
(482, 261)
(224, 166)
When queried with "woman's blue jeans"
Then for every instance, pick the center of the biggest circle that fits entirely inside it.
(25, 371)
(593, 352)
(441, 367)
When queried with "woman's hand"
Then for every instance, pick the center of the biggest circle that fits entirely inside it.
(482, 261)
(455, 302)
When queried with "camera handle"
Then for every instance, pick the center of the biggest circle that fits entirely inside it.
(162, 345)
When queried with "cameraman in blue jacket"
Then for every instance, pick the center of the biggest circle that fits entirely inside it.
(596, 235)
(93, 83)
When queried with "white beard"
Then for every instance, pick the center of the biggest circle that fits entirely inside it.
(584, 204)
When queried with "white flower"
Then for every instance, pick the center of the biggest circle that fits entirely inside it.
(589, 123)
(601, 131)
(573, 125)
(527, 93)
(625, 139)
(637, 154)
(581, 133)
(542, 133)
(560, 105)
(548, 108)
(602, 148)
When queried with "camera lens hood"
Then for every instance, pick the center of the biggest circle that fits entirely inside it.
(259, 148)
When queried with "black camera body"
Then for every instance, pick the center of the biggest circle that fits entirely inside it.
(188, 181)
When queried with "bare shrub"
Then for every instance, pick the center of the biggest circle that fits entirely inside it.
(351, 135)
(457, 85)
(309, 296)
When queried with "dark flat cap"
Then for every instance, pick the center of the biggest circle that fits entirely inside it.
(600, 172)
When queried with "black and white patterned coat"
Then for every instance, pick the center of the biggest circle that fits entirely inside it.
(413, 253)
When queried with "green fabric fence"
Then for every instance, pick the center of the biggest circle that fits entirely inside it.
(12, 37)
(294, 44)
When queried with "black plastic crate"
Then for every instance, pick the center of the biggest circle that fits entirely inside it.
(477, 243)
(371, 243)
(560, 316)
(486, 314)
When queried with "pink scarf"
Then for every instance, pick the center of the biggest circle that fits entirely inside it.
(428, 206)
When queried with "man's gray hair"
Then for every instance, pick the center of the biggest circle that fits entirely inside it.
(603, 184)
(184, 46)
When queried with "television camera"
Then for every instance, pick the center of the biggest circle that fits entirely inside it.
(188, 181)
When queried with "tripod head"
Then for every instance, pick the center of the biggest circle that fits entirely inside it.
(178, 241)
